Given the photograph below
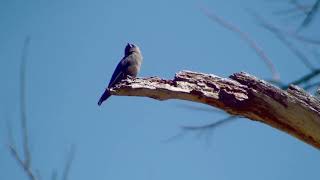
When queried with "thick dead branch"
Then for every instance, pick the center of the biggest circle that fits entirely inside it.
(292, 111)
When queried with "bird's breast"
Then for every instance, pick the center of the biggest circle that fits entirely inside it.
(133, 70)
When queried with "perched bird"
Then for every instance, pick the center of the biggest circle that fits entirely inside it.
(128, 66)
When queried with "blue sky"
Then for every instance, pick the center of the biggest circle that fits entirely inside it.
(75, 46)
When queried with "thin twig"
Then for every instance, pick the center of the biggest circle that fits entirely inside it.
(54, 175)
(304, 79)
(312, 85)
(311, 14)
(292, 10)
(212, 125)
(299, 6)
(23, 103)
(316, 55)
(204, 109)
(302, 38)
(244, 36)
(280, 35)
(201, 129)
(10, 134)
(69, 161)
(24, 166)
(26, 163)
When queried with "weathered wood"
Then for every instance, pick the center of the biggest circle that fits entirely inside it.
(293, 111)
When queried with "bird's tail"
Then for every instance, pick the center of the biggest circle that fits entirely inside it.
(104, 96)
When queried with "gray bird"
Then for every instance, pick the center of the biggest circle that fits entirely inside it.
(128, 66)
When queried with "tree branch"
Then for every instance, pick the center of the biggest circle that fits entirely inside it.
(26, 163)
(244, 36)
(292, 111)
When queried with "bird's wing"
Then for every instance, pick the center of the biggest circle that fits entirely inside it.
(119, 72)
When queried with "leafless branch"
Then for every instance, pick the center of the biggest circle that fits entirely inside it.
(212, 125)
(23, 102)
(280, 35)
(69, 161)
(304, 79)
(302, 38)
(286, 32)
(201, 129)
(244, 36)
(311, 14)
(54, 175)
(299, 6)
(27, 169)
(26, 163)
(312, 85)
(295, 9)
(204, 109)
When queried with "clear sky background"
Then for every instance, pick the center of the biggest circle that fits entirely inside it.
(75, 46)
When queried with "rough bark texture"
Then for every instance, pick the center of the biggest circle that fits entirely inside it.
(293, 111)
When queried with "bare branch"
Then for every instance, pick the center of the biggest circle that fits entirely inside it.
(23, 102)
(202, 129)
(311, 14)
(25, 167)
(293, 111)
(38, 173)
(204, 109)
(212, 125)
(244, 36)
(286, 32)
(302, 38)
(299, 6)
(10, 134)
(303, 8)
(280, 35)
(26, 163)
(312, 85)
(69, 161)
(54, 175)
(304, 79)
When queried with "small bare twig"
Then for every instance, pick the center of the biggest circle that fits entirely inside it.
(203, 128)
(69, 161)
(54, 175)
(295, 9)
(280, 35)
(244, 36)
(27, 169)
(212, 125)
(23, 102)
(299, 6)
(304, 79)
(312, 85)
(311, 14)
(26, 163)
(204, 109)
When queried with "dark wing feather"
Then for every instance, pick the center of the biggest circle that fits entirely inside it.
(119, 72)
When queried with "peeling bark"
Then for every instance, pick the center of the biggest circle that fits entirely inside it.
(293, 111)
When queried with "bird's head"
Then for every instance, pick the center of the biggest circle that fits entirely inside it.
(130, 48)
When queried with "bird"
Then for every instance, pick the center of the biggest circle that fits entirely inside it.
(129, 65)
